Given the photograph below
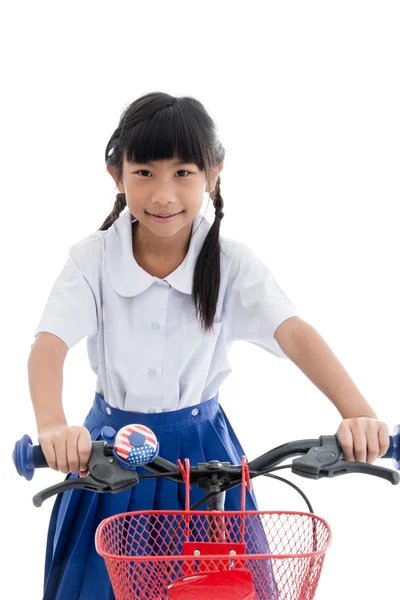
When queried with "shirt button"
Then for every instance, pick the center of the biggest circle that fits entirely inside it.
(195, 412)
(155, 326)
(108, 410)
(151, 372)
(151, 410)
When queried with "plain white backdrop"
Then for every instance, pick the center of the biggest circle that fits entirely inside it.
(305, 96)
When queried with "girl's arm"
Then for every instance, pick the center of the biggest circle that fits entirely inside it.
(45, 374)
(66, 448)
(361, 435)
(309, 351)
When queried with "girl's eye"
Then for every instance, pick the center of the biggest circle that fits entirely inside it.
(180, 171)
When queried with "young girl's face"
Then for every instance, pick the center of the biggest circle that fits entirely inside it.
(166, 187)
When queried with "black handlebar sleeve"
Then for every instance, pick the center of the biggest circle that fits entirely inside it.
(38, 458)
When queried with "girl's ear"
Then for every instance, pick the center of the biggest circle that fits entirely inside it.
(214, 176)
(113, 173)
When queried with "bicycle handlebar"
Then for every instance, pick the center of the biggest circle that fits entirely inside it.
(113, 469)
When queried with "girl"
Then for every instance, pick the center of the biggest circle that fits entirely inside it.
(161, 297)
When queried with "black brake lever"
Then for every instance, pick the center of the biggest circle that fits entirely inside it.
(344, 467)
(105, 475)
(324, 461)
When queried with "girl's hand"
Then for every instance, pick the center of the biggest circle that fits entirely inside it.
(363, 439)
(66, 448)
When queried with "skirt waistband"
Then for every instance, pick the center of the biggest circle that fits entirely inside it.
(101, 413)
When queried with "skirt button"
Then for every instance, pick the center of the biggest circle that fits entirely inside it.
(195, 412)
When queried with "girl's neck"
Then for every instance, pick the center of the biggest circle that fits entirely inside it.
(149, 247)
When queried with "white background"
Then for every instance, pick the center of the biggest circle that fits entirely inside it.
(305, 96)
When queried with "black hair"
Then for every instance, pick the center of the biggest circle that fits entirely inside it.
(158, 126)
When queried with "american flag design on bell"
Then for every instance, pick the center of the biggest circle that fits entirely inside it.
(136, 444)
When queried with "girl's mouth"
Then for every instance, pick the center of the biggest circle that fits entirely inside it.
(166, 219)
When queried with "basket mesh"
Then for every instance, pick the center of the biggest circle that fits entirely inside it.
(145, 551)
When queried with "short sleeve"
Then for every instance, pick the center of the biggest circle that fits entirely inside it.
(70, 312)
(255, 305)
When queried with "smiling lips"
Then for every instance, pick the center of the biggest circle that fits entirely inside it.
(162, 215)
(164, 218)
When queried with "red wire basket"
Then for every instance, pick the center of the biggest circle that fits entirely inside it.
(179, 555)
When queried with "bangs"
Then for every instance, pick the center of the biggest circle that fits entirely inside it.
(168, 134)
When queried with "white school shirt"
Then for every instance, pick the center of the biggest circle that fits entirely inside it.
(144, 341)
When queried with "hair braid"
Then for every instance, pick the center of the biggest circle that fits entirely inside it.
(119, 205)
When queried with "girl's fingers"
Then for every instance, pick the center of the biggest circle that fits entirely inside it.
(363, 439)
(372, 445)
(84, 450)
(49, 454)
(359, 442)
(72, 451)
(67, 449)
(60, 447)
(384, 439)
(346, 441)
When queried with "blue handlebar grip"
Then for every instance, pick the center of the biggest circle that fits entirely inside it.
(393, 451)
(27, 458)
(395, 447)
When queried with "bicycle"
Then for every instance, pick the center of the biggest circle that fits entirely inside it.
(241, 555)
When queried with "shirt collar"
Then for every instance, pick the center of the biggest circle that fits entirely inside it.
(128, 278)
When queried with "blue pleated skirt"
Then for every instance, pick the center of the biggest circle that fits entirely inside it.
(73, 568)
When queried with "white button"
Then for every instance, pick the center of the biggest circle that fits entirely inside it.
(151, 372)
(151, 410)
(155, 326)
(195, 412)
(108, 410)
